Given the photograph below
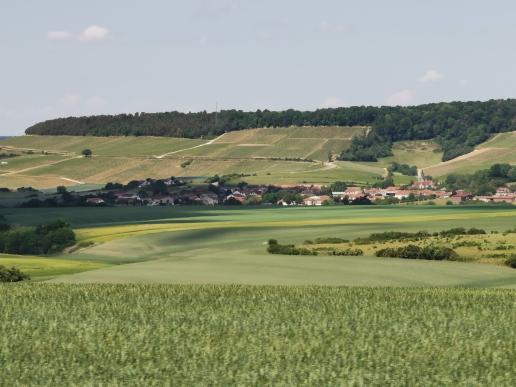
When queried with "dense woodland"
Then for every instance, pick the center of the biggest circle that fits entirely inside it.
(456, 126)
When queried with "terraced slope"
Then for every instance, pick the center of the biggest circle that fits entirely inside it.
(269, 154)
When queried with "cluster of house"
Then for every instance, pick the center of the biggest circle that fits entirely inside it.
(502, 195)
(302, 195)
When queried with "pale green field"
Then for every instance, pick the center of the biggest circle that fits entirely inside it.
(105, 146)
(227, 245)
(43, 268)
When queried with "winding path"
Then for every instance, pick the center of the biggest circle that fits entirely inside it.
(193, 147)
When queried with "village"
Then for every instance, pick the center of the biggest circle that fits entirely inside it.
(172, 191)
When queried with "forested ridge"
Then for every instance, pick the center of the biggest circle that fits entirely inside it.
(456, 126)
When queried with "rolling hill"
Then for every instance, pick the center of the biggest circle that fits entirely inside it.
(279, 155)
(267, 155)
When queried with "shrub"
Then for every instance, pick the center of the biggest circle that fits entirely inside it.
(330, 240)
(12, 275)
(276, 248)
(511, 261)
(437, 253)
(393, 235)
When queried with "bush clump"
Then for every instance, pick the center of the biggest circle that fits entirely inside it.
(511, 261)
(276, 248)
(46, 238)
(12, 275)
(347, 252)
(462, 231)
(329, 240)
(437, 253)
(393, 235)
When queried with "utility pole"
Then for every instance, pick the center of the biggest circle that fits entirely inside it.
(216, 113)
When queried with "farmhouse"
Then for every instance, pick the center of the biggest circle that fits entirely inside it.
(502, 195)
(316, 200)
(209, 199)
(95, 201)
(460, 196)
(423, 184)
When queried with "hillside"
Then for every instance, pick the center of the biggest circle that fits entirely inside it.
(456, 126)
(500, 148)
(279, 155)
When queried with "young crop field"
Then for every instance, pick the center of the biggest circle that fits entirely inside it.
(228, 245)
(245, 335)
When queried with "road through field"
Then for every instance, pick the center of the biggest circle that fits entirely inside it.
(190, 148)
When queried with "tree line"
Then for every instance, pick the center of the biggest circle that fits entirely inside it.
(456, 126)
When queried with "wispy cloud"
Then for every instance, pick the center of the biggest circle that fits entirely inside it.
(403, 97)
(332, 102)
(431, 76)
(59, 35)
(94, 33)
(89, 34)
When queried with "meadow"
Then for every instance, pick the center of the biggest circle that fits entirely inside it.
(246, 335)
(228, 245)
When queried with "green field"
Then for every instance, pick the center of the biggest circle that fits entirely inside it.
(189, 296)
(227, 245)
(44, 268)
(238, 335)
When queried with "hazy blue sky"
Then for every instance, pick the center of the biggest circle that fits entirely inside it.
(66, 57)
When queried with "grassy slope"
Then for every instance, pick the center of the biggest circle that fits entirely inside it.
(200, 245)
(501, 148)
(233, 335)
(40, 268)
(419, 153)
(126, 158)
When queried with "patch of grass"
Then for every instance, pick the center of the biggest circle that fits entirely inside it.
(47, 267)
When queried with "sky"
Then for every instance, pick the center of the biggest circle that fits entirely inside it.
(62, 58)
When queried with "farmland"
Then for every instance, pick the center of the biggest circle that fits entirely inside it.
(227, 245)
(189, 295)
(244, 335)
(291, 155)
(280, 155)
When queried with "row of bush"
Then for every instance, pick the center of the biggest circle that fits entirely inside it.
(331, 240)
(437, 253)
(415, 236)
(344, 252)
(393, 235)
(275, 248)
